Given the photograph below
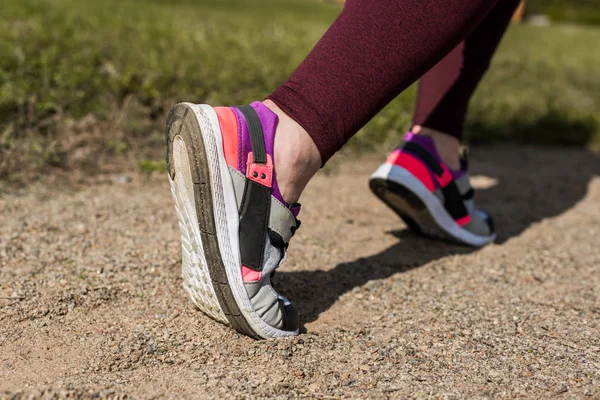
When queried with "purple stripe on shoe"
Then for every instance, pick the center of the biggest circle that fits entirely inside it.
(427, 143)
(269, 122)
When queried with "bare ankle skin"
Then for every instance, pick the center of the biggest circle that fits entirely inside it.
(297, 158)
(448, 147)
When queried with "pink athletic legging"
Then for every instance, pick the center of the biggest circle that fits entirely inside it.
(375, 49)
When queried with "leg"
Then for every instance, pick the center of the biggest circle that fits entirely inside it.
(443, 209)
(445, 90)
(372, 52)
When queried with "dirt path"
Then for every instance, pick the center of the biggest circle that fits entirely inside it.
(91, 302)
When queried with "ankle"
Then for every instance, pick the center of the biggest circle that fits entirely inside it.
(296, 156)
(448, 147)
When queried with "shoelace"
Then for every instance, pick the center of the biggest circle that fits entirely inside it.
(284, 249)
(295, 228)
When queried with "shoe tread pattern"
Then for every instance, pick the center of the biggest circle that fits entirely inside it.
(182, 122)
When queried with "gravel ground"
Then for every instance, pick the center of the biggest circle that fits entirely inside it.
(91, 303)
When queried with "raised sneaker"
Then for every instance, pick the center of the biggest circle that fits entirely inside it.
(235, 226)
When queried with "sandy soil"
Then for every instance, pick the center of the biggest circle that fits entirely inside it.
(91, 303)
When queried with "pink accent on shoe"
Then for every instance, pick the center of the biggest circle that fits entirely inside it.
(464, 220)
(446, 177)
(413, 165)
(250, 275)
(229, 131)
(393, 157)
(260, 173)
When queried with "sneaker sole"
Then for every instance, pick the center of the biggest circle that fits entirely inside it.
(208, 220)
(418, 207)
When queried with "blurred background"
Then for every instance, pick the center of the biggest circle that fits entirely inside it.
(85, 85)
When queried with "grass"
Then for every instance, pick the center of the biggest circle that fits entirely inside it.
(580, 11)
(86, 84)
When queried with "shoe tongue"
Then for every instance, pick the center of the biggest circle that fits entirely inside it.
(268, 121)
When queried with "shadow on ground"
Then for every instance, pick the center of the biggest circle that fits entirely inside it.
(531, 185)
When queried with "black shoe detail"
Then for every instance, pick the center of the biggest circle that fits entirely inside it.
(453, 201)
(256, 201)
(490, 223)
(291, 320)
(254, 224)
(464, 160)
(470, 194)
(424, 155)
(277, 240)
(257, 137)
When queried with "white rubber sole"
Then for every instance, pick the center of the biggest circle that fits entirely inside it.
(196, 270)
(436, 210)
(194, 267)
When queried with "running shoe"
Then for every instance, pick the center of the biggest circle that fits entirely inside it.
(430, 197)
(235, 226)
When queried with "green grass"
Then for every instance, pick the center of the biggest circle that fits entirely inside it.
(580, 11)
(83, 82)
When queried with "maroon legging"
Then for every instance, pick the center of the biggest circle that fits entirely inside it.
(377, 48)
